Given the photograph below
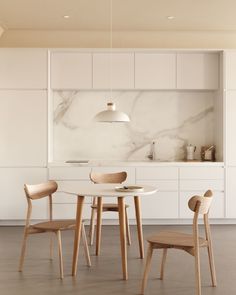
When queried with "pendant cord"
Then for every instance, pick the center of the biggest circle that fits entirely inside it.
(111, 45)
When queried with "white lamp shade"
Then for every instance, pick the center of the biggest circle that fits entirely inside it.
(111, 115)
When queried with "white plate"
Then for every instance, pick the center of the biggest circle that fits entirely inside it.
(129, 188)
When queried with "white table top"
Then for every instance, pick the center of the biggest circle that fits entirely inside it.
(104, 190)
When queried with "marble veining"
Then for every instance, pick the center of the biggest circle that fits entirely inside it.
(170, 118)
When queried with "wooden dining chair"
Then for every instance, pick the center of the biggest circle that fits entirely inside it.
(118, 177)
(38, 191)
(187, 242)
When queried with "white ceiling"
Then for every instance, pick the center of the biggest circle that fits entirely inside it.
(127, 14)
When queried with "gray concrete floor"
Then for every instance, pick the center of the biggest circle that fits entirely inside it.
(41, 276)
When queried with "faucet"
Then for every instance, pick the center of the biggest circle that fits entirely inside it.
(151, 156)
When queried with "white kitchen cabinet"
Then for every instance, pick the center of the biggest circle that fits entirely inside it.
(114, 70)
(230, 73)
(155, 71)
(160, 205)
(13, 200)
(230, 128)
(196, 181)
(201, 173)
(69, 173)
(64, 205)
(71, 70)
(158, 173)
(23, 128)
(63, 198)
(164, 203)
(23, 68)
(217, 208)
(201, 184)
(231, 192)
(197, 71)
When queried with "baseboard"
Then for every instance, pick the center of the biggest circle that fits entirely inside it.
(132, 222)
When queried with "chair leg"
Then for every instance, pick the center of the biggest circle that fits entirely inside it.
(163, 263)
(212, 265)
(197, 272)
(99, 225)
(23, 248)
(127, 227)
(85, 243)
(92, 226)
(147, 268)
(58, 233)
(51, 246)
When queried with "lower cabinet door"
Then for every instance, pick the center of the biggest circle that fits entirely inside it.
(13, 199)
(231, 192)
(160, 205)
(217, 208)
(64, 205)
(68, 211)
(164, 203)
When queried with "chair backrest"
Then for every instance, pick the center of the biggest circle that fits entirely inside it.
(118, 177)
(38, 191)
(201, 204)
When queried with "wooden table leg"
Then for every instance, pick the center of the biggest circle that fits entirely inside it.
(80, 202)
(99, 225)
(121, 205)
(139, 225)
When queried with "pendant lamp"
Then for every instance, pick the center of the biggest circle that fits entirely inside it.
(111, 115)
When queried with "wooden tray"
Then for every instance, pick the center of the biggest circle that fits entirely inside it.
(129, 188)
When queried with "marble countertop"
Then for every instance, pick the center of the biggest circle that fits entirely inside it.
(138, 163)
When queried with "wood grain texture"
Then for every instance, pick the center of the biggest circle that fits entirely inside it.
(99, 178)
(139, 225)
(191, 243)
(38, 191)
(80, 203)
(123, 237)
(117, 177)
(99, 225)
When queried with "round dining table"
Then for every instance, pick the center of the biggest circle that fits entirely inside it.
(102, 191)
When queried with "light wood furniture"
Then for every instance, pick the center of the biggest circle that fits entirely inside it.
(118, 177)
(108, 190)
(187, 242)
(38, 191)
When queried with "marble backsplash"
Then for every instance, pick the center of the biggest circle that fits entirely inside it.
(172, 119)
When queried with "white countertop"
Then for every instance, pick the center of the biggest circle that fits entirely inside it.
(113, 163)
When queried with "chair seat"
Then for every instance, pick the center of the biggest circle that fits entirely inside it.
(55, 225)
(175, 239)
(109, 207)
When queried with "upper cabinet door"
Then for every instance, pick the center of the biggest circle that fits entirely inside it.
(22, 68)
(198, 71)
(114, 70)
(23, 128)
(155, 71)
(71, 70)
